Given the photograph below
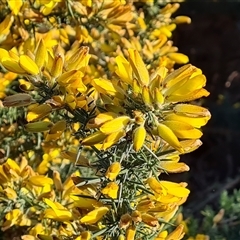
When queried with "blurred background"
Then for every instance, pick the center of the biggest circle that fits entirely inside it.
(212, 42)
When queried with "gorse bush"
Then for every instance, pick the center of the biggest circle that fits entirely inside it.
(93, 113)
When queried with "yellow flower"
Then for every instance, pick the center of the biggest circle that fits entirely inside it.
(111, 190)
(15, 217)
(40, 181)
(57, 211)
(113, 171)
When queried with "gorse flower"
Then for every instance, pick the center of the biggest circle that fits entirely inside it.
(96, 84)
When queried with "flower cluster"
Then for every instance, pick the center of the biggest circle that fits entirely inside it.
(98, 88)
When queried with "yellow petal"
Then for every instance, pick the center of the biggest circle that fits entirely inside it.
(40, 180)
(130, 233)
(94, 216)
(112, 139)
(38, 112)
(57, 66)
(192, 110)
(150, 220)
(175, 189)
(15, 5)
(188, 97)
(108, 87)
(138, 67)
(177, 75)
(111, 190)
(41, 54)
(113, 171)
(59, 126)
(124, 70)
(94, 138)
(115, 125)
(86, 202)
(147, 99)
(78, 60)
(167, 134)
(177, 234)
(104, 117)
(28, 65)
(12, 65)
(194, 121)
(174, 167)
(183, 130)
(190, 85)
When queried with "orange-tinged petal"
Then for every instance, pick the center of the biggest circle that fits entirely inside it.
(130, 233)
(177, 234)
(150, 220)
(182, 19)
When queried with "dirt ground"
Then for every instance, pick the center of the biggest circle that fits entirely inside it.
(212, 42)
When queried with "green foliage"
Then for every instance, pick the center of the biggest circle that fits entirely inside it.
(219, 224)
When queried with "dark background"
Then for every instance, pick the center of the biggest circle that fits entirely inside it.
(212, 43)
